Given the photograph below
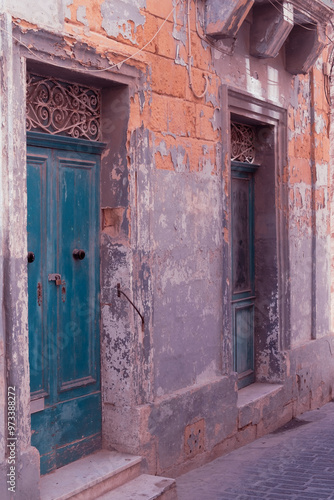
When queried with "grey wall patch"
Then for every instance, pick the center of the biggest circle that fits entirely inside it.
(67, 10)
(118, 16)
(81, 15)
(180, 159)
(216, 119)
(44, 13)
(162, 149)
(178, 58)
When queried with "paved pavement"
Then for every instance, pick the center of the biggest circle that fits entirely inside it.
(294, 463)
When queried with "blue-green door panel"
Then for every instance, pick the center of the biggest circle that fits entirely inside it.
(36, 227)
(63, 215)
(75, 451)
(58, 440)
(65, 143)
(78, 323)
(242, 235)
(243, 340)
(243, 271)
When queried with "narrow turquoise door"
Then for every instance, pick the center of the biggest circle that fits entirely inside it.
(243, 274)
(63, 297)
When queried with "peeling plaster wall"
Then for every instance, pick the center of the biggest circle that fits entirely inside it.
(331, 205)
(188, 326)
(14, 311)
(165, 215)
(113, 14)
(44, 14)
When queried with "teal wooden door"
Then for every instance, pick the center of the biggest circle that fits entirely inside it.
(63, 297)
(243, 278)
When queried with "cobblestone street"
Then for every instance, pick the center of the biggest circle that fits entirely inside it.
(296, 462)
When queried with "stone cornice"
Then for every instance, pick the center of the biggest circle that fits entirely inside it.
(274, 24)
(319, 10)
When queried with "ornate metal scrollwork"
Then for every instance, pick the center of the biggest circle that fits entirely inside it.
(242, 143)
(61, 108)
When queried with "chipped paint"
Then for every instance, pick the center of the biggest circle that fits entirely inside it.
(42, 13)
(180, 159)
(178, 58)
(67, 12)
(81, 15)
(122, 18)
(320, 124)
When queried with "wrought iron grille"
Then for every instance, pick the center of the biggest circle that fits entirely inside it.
(242, 143)
(61, 108)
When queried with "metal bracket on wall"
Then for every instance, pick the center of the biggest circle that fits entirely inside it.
(119, 292)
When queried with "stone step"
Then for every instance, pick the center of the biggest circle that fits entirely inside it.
(144, 487)
(90, 477)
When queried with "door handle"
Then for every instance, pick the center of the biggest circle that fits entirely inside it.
(55, 277)
(31, 257)
(78, 254)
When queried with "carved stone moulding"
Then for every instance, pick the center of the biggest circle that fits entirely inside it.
(61, 108)
(299, 24)
(318, 10)
(303, 48)
(224, 18)
(271, 26)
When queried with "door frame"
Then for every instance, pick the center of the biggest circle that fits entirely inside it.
(119, 192)
(270, 121)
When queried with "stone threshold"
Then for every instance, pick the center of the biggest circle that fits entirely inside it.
(90, 477)
(255, 392)
(144, 487)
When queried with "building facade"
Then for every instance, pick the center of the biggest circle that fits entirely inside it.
(166, 230)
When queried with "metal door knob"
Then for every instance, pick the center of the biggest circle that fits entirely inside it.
(31, 257)
(79, 254)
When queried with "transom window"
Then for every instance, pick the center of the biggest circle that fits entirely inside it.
(62, 108)
(242, 143)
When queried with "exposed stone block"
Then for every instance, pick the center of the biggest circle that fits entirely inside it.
(303, 47)
(246, 435)
(271, 27)
(224, 18)
(250, 414)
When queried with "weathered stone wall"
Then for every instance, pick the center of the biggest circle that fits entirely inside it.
(165, 209)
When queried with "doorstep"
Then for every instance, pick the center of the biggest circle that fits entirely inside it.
(144, 487)
(258, 409)
(90, 477)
